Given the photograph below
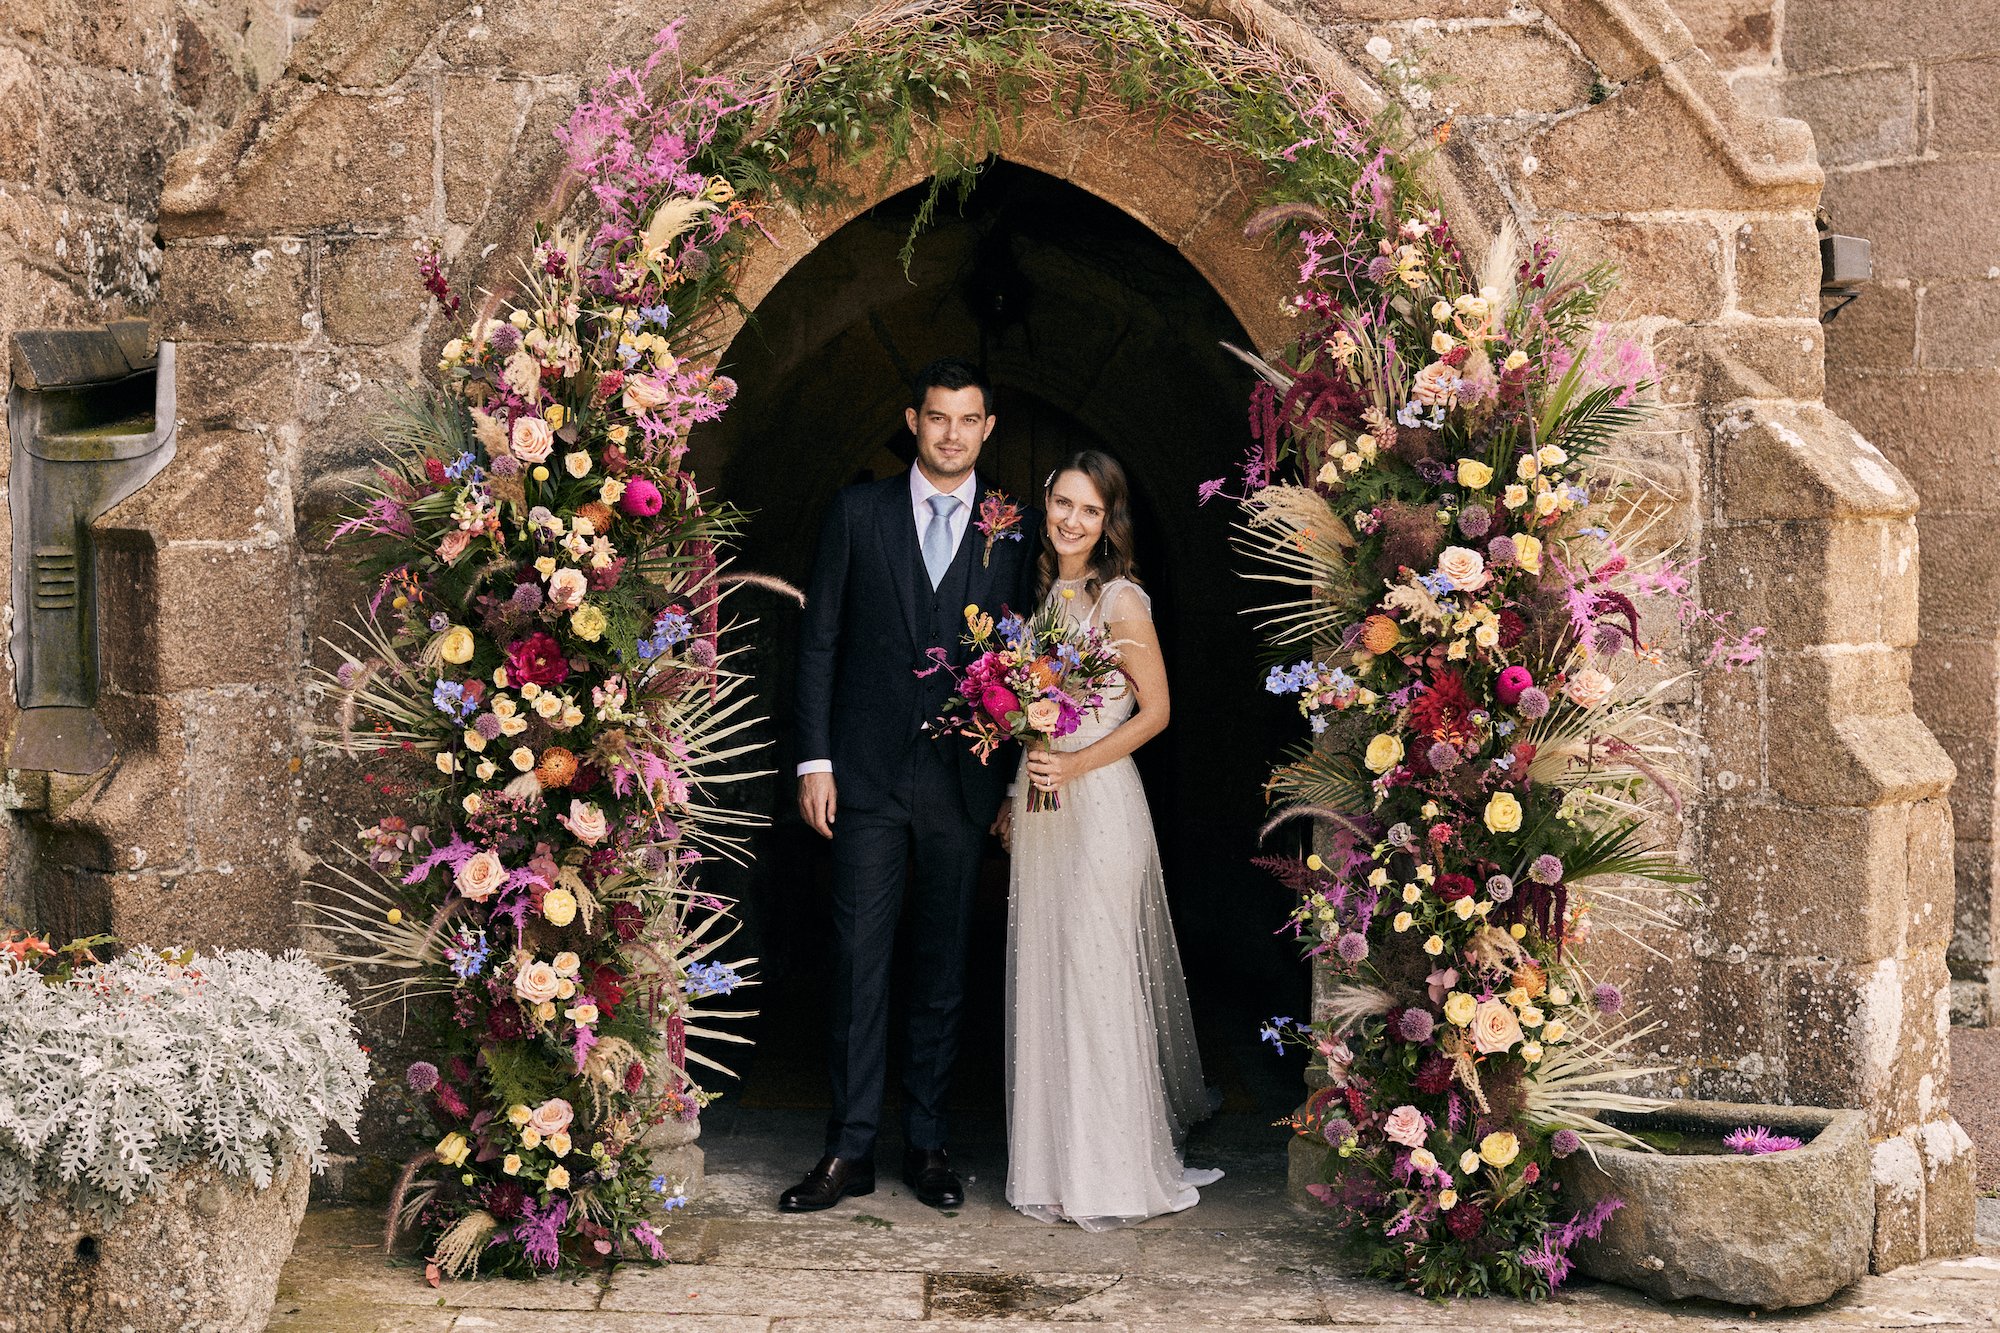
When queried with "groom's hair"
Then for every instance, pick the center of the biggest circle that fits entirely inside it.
(950, 372)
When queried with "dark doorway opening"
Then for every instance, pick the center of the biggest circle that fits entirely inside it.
(1095, 331)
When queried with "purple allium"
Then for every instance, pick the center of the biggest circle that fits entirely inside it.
(1443, 756)
(1755, 1141)
(1474, 521)
(1500, 551)
(1415, 1025)
(1546, 869)
(504, 338)
(725, 388)
(702, 653)
(346, 674)
(1352, 947)
(1533, 703)
(1607, 640)
(422, 1076)
(1608, 998)
(1336, 1131)
(651, 859)
(527, 596)
(487, 725)
(505, 466)
(1500, 888)
(1564, 1142)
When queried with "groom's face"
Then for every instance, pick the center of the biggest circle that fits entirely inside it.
(950, 429)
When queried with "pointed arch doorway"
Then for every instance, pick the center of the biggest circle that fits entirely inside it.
(1095, 331)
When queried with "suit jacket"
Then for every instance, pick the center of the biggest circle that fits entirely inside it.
(868, 626)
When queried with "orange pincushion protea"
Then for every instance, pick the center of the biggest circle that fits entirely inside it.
(599, 514)
(1531, 979)
(1380, 633)
(557, 768)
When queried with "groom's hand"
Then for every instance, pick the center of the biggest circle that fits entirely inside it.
(817, 798)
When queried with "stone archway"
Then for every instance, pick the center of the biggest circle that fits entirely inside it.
(1598, 122)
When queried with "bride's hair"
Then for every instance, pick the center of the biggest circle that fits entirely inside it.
(1113, 557)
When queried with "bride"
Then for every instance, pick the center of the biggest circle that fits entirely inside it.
(1103, 1078)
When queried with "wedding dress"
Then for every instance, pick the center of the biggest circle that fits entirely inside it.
(1103, 1078)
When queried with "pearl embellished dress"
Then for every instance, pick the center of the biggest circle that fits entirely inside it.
(1103, 1078)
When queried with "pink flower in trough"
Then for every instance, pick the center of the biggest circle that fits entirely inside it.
(1755, 1141)
(641, 499)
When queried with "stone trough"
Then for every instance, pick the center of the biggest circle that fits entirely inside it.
(1770, 1231)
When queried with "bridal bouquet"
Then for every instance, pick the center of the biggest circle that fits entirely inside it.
(1031, 681)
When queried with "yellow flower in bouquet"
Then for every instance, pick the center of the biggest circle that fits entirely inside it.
(1499, 1148)
(456, 645)
(1385, 752)
(1503, 812)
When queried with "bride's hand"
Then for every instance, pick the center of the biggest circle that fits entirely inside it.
(1050, 769)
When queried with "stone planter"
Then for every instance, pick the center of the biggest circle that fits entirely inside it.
(676, 1154)
(202, 1254)
(1771, 1231)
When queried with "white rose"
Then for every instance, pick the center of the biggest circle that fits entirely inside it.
(537, 983)
(1589, 688)
(1465, 567)
(577, 463)
(480, 876)
(533, 440)
(567, 588)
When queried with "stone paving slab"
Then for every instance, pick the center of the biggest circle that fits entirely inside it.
(728, 1289)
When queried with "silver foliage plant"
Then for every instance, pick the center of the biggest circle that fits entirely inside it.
(138, 1067)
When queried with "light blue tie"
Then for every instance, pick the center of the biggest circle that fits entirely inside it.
(937, 537)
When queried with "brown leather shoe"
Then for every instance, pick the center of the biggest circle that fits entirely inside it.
(928, 1172)
(827, 1184)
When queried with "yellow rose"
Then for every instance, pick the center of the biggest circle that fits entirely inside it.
(1527, 468)
(517, 1115)
(1447, 1200)
(1558, 996)
(558, 1178)
(1458, 1008)
(1385, 752)
(455, 645)
(1468, 1161)
(559, 1143)
(1503, 812)
(1528, 552)
(588, 623)
(1411, 893)
(453, 1149)
(1434, 945)
(1555, 1031)
(531, 1138)
(1463, 909)
(559, 906)
(1514, 497)
(1531, 1051)
(1473, 474)
(555, 416)
(1402, 921)
(1499, 1148)
(511, 1163)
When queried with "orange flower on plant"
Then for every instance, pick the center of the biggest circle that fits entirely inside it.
(1531, 978)
(599, 514)
(557, 768)
(1380, 633)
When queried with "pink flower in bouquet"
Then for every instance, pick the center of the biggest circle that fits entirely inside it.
(1044, 715)
(1513, 682)
(537, 659)
(641, 499)
(1405, 1125)
(453, 546)
(998, 701)
(1068, 716)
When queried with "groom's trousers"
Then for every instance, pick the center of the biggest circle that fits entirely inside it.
(872, 855)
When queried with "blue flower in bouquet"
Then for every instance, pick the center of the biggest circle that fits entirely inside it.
(468, 953)
(1013, 629)
(657, 315)
(671, 628)
(449, 698)
(464, 463)
(711, 979)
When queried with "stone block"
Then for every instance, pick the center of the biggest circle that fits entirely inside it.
(223, 485)
(1961, 598)
(1965, 106)
(236, 388)
(206, 909)
(1959, 325)
(525, 37)
(1665, 268)
(1868, 761)
(328, 159)
(1801, 463)
(1975, 941)
(105, 136)
(344, 391)
(1499, 69)
(1903, 210)
(237, 291)
(224, 616)
(369, 291)
(1896, 1170)
(1932, 885)
(1813, 583)
(138, 807)
(482, 123)
(1837, 34)
(1732, 732)
(1732, 32)
(1760, 860)
(1861, 115)
(1701, 364)
(23, 104)
(243, 757)
(1939, 427)
(368, 45)
(1950, 1189)
(1875, 331)
(1778, 267)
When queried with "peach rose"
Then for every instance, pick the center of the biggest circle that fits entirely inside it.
(1589, 688)
(1405, 1125)
(1465, 567)
(587, 822)
(643, 395)
(480, 876)
(568, 587)
(1494, 1028)
(533, 440)
(537, 983)
(1436, 385)
(1043, 714)
(551, 1117)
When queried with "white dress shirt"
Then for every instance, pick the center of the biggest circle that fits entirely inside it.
(921, 492)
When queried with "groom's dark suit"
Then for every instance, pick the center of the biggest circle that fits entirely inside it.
(871, 618)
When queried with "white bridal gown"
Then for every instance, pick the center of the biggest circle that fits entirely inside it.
(1103, 1078)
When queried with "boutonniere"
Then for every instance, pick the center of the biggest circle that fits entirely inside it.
(1000, 520)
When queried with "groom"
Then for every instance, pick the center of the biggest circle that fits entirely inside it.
(898, 562)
